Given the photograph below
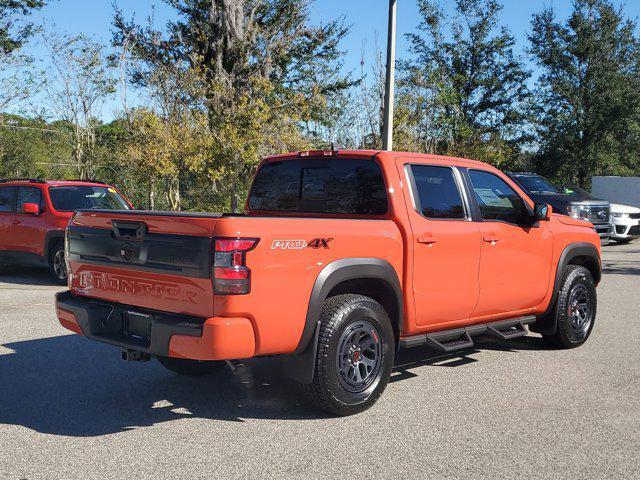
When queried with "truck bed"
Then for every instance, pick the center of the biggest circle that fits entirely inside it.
(170, 268)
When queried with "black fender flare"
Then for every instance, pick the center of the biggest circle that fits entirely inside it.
(49, 239)
(547, 321)
(337, 272)
(301, 364)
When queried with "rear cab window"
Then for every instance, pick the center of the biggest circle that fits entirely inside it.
(79, 197)
(437, 192)
(335, 186)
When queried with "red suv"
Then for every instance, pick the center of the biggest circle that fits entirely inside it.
(34, 214)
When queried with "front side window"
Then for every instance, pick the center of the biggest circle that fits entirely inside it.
(8, 199)
(437, 192)
(29, 195)
(79, 197)
(329, 186)
(496, 199)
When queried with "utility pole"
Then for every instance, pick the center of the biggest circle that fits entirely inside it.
(387, 125)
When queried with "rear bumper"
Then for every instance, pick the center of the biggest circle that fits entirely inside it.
(157, 333)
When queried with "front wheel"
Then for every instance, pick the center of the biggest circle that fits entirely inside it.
(576, 308)
(355, 355)
(191, 368)
(58, 264)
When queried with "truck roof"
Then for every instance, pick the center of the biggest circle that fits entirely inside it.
(55, 183)
(523, 174)
(345, 153)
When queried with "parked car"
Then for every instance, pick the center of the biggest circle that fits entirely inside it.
(625, 220)
(34, 214)
(573, 202)
(341, 258)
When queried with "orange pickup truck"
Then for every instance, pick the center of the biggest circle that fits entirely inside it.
(341, 258)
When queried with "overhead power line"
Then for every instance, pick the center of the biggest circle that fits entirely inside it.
(21, 127)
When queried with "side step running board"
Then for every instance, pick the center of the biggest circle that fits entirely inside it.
(452, 341)
(507, 333)
(461, 338)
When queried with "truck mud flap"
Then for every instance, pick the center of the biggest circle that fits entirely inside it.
(301, 367)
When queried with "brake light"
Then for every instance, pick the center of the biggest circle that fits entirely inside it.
(318, 153)
(66, 246)
(231, 276)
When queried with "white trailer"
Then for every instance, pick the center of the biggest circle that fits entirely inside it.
(623, 190)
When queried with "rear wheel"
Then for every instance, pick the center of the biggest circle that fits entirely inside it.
(57, 263)
(191, 368)
(576, 308)
(355, 355)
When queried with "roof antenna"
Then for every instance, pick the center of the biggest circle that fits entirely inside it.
(335, 147)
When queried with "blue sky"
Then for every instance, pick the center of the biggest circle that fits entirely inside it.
(368, 20)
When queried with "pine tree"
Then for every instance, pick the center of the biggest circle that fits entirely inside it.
(587, 102)
(463, 91)
(257, 67)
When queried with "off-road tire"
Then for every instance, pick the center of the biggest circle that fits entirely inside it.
(574, 278)
(340, 315)
(56, 254)
(191, 368)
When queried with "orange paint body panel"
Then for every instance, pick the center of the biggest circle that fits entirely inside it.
(170, 293)
(68, 320)
(282, 279)
(451, 272)
(222, 339)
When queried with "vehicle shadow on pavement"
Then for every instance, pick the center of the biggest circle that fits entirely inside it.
(414, 358)
(68, 386)
(34, 276)
(622, 267)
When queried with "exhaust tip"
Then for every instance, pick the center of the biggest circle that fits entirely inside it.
(129, 355)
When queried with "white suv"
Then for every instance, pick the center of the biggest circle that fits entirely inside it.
(626, 222)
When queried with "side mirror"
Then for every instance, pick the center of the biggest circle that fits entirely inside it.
(31, 208)
(542, 212)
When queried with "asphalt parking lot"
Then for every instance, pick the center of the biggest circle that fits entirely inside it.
(70, 408)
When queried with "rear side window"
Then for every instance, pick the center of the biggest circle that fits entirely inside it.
(496, 199)
(8, 199)
(333, 186)
(29, 195)
(438, 194)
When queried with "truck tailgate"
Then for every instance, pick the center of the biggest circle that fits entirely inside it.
(154, 260)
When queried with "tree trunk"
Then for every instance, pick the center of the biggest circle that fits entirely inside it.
(173, 193)
(152, 193)
(234, 199)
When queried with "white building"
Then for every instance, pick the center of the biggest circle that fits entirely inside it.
(624, 190)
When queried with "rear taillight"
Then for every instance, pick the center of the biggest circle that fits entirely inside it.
(231, 276)
(66, 246)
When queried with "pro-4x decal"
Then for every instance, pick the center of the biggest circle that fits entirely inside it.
(320, 242)
(288, 244)
(300, 244)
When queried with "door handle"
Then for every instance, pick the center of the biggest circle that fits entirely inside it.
(428, 239)
(490, 237)
(15, 222)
